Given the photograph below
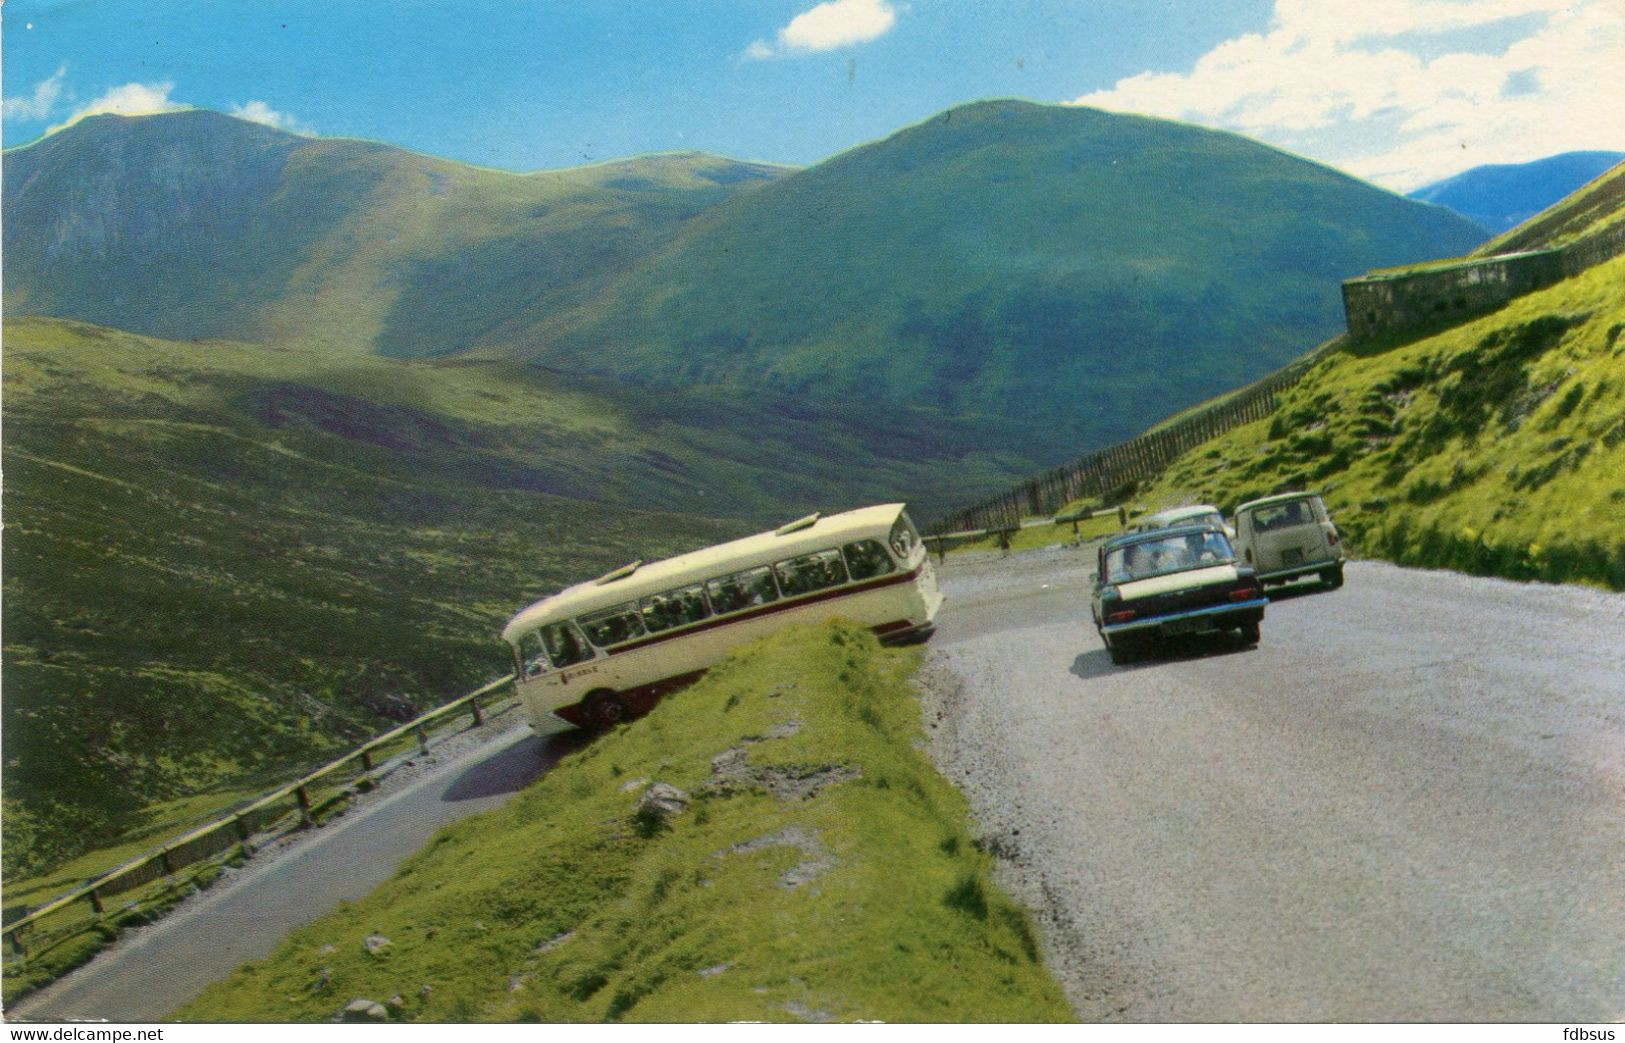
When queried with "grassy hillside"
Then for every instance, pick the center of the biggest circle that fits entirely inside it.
(225, 559)
(1013, 259)
(1495, 448)
(822, 871)
(198, 225)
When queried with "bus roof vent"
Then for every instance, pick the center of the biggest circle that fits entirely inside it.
(800, 523)
(620, 573)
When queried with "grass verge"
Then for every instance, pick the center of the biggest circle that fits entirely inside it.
(821, 870)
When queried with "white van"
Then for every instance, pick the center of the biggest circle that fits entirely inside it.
(1290, 536)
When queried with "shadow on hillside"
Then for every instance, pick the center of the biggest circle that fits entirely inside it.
(514, 767)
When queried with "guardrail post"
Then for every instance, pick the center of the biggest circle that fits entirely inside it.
(17, 946)
(423, 740)
(305, 817)
(96, 902)
(163, 862)
(479, 715)
(366, 760)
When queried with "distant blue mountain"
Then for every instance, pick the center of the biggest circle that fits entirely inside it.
(1504, 195)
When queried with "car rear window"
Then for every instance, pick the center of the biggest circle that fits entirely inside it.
(1283, 516)
(1170, 554)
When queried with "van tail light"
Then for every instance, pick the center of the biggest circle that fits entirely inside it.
(1244, 593)
(1331, 537)
(1121, 617)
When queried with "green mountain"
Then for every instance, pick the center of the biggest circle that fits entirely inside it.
(225, 560)
(1085, 270)
(1069, 273)
(197, 225)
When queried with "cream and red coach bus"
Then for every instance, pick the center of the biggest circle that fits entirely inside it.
(602, 650)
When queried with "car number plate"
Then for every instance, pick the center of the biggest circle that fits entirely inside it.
(1182, 626)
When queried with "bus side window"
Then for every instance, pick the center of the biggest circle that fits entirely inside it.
(904, 537)
(565, 645)
(866, 559)
(675, 608)
(810, 572)
(742, 590)
(613, 626)
(532, 660)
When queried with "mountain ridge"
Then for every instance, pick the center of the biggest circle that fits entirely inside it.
(983, 262)
(1500, 196)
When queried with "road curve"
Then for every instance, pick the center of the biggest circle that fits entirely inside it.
(1406, 804)
(157, 969)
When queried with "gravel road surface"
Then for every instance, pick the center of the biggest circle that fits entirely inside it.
(1406, 804)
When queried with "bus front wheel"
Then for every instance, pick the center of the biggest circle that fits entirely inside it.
(604, 708)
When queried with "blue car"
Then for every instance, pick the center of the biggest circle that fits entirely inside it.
(1170, 582)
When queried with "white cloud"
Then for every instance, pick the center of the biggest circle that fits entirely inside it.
(1365, 90)
(260, 112)
(38, 105)
(132, 99)
(828, 27)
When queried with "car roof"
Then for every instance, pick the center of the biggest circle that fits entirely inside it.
(1278, 498)
(1160, 534)
(1184, 512)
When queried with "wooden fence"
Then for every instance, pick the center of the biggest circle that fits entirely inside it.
(294, 806)
(1100, 475)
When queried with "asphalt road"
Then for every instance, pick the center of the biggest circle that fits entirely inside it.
(154, 971)
(1406, 804)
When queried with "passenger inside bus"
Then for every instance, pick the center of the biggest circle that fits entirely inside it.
(867, 559)
(742, 590)
(564, 646)
(810, 572)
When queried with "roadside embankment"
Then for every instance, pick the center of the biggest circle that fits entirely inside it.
(771, 844)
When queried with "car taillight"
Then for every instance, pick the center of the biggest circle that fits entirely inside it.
(1244, 593)
(1331, 537)
(1121, 617)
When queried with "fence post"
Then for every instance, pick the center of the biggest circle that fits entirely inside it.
(305, 817)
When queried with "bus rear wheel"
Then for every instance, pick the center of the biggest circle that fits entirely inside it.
(604, 708)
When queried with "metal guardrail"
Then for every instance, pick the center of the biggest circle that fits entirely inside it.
(238, 827)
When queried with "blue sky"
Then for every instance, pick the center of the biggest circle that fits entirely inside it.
(1413, 91)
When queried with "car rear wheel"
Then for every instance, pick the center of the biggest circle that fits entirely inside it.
(1333, 577)
(1250, 633)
